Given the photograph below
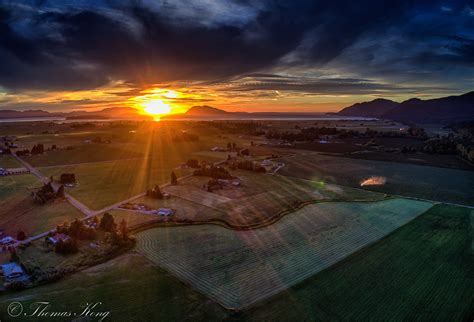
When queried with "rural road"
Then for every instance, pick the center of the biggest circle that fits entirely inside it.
(88, 213)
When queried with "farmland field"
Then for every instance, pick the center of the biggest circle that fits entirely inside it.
(260, 198)
(440, 184)
(102, 184)
(7, 161)
(16, 185)
(123, 287)
(423, 271)
(239, 268)
(23, 214)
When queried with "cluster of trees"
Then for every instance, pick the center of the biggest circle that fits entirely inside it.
(37, 149)
(67, 178)
(214, 172)
(47, 193)
(315, 133)
(307, 134)
(433, 146)
(193, 163)
(22, 152)
(247, 165)
(213, 185)
(78, 230)
(65, 247)
(154, 193)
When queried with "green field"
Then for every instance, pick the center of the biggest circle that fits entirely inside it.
(440, 184)
(423, 271)
(261, 198)
(82, 154)
(7, 161)
(129, 287)
(19, 212)
(239, 268)
(103, 184)
(17, 184)
(35, 219)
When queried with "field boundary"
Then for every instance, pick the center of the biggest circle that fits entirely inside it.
(472, 230)
(223, 223)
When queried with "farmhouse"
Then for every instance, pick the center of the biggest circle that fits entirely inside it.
(165, 211)
(11, 271)
(56, 238)
(266, 163)
(7, 241)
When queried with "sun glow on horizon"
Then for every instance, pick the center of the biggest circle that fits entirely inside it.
(156, 107)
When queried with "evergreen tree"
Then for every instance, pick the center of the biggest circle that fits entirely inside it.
(107, 222)
(174, 179)
(60, 193)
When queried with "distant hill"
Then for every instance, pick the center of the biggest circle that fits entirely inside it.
(208, 112)
(376, 108)
(12, 114)
(108, 113)
(204, 110)
(445, 109)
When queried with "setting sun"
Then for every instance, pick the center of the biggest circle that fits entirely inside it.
(156, 107)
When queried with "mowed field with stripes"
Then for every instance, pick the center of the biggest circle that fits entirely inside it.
(240, 268)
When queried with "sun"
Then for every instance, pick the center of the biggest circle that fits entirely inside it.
(156, 107)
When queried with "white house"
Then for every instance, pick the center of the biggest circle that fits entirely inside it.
(56, 238)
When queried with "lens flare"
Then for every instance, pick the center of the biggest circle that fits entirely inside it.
(373, 181)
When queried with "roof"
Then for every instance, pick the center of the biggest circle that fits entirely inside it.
(57, 237)
(7, 239)
(11, 269)
(165, 211)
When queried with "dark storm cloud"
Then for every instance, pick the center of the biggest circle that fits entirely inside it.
(64, 45)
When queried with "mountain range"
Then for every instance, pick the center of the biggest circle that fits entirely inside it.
(439, 110)
(415, 110)
(108, 113)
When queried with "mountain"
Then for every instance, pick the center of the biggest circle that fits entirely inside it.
(108, 113)
(204, 110)
(207, 112)
(375, 108)
(12, 114)
(439, 110)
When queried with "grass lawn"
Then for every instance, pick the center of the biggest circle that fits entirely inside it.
(129, 287)
(423, 271)
(7, 161)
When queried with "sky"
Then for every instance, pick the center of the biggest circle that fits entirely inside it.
(238, 55)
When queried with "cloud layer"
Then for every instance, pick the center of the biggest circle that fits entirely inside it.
(338, 47)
